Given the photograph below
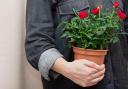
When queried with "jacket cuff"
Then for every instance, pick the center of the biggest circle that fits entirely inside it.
(47, 59)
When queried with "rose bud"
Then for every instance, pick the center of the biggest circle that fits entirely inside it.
(116, 4)
(83, 14)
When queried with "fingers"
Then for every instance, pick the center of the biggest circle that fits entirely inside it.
(97, 79)
(85, 83)
(89, 83)
(102, 67)
(93, 78)
(85, 73)
(96, 75)
(92, 64)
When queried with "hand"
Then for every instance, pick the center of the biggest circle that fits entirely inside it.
(82, 72)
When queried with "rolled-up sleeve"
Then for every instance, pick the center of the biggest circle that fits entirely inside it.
(40, 41)
(46, 61)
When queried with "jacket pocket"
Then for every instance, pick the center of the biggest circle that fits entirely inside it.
(66, 7)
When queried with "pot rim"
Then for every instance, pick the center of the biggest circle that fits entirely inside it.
(91, 49)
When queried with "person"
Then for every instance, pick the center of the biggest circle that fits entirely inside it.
(47, 51)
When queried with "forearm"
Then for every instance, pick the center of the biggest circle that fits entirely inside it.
(60, 66)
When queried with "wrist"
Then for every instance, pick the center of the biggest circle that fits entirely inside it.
(60, 66)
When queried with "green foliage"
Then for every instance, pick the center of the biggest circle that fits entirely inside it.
(95, 31)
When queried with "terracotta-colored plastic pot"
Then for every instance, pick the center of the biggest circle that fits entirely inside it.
(96, 56)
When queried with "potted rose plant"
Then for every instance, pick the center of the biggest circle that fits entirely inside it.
(90, 32)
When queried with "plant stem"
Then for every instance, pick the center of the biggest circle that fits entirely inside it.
(99, 13)
(111, 15)
(75, 12)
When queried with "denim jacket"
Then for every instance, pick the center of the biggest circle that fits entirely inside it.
(43, 33)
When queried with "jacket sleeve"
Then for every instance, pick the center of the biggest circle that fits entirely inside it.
(40, 40)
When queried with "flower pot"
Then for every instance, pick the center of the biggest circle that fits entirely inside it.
(96, 56)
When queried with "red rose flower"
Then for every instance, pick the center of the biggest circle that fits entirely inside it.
(83, 14)
(116, 4)
(118, 12)
(121, 14)
(95, 11)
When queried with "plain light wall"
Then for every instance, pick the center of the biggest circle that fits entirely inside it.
(15, 72)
